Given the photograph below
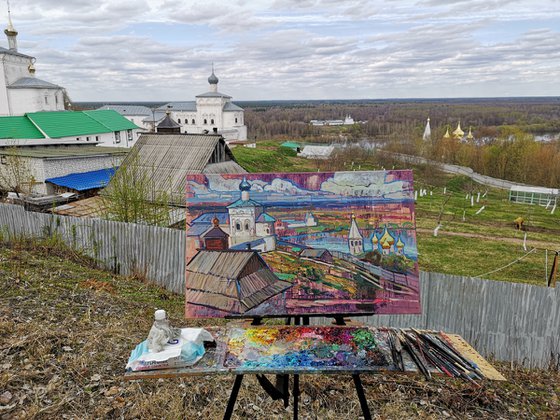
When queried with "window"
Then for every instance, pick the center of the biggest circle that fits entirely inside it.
(96, 138)
(46, 100)
(179, 120)
(129, 135)
(215, 130)
(117, 136)
(212, 121)
(56, 99)
(236, 120)
(205, 121)
(77, 138)
(247, 225)
(3, 160)
(237, 226)
(193, 121)
(87, 138)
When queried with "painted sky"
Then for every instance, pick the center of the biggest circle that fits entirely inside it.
(294, 188)
(151, 50)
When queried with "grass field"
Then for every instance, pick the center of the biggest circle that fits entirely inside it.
(475, 246)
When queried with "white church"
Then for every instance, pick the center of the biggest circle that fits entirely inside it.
(20, 91)
(212, 112)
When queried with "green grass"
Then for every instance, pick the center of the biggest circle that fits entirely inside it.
(499, 243)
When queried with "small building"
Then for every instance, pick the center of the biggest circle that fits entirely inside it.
(39, 164)
(533, 195)
(320, 254)
(312, 151)
(167, 125)
(215, 239)
(231, 282)
(355, 238)
(107, 128)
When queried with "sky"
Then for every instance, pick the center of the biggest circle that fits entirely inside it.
(160, 50)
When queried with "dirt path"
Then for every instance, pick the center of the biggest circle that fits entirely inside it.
(514, 241)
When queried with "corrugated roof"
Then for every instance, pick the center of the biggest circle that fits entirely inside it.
(168, 158)
(18, 128)
(85, 180)
(230, 106)
(56, 124)
(187, 106)
(228, 167)
(32, 83)
(111, 119)
(60, 152)
(129, 110)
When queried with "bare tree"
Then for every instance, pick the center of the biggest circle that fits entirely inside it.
(132, 196)
(15, 173)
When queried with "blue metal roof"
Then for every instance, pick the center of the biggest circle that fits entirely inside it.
(85, 180)
(244, 203)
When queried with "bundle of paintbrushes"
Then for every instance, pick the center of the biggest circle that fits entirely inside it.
(431, 353)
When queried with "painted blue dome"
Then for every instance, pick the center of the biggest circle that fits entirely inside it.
(244, 186)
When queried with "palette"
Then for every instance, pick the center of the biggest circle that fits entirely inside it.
(312, 349)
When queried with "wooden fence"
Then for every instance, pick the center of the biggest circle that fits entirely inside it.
(125, 248)
(510, 321)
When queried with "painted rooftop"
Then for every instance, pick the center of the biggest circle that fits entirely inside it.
(59, 124)
(85, 180)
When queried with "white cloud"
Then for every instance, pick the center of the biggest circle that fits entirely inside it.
(284, 49)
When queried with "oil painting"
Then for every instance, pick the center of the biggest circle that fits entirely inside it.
(262, 245)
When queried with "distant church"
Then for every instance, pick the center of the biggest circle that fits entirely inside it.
(212, 112)
(20, 90)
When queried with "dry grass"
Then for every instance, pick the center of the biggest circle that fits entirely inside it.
(66, 331)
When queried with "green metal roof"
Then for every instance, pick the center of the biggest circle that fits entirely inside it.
(18, 128)
(290, 144)
(58, 124)
(111, 119)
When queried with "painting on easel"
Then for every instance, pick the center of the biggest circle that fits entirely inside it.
(283, 244)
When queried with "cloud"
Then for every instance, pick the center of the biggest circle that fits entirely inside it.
(362, 184)
(288, 49)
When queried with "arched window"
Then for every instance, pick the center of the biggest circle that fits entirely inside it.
(212, 121)
(205, 121)
(247, 225)
(236, 119)
(179, 120)
(237, 226)
(193, 121)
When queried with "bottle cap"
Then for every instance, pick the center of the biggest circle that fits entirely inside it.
(160, 315)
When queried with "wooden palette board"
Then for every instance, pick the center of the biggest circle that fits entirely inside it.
(218, 360)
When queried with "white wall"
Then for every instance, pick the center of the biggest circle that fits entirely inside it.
(33, 100)
(102, 139)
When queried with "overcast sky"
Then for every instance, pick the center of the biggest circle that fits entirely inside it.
(134, 50)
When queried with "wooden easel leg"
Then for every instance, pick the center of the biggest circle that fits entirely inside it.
(296, 396)
(233, 397)
(361, 396)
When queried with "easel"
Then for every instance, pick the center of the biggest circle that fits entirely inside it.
(280, 390)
